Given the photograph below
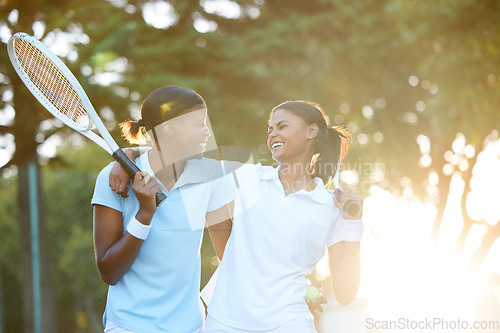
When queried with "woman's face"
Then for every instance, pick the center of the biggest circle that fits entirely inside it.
(289, 137)
(188, 133)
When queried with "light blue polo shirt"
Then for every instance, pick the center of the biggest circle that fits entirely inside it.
(160, 292)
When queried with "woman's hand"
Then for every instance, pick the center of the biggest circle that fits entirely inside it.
(344, 197)
(315, 299)
(145, 188)
(118, 177)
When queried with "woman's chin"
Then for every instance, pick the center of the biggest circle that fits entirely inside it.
(193, 154)
(277, 158)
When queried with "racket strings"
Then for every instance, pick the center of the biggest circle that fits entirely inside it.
(51, 82)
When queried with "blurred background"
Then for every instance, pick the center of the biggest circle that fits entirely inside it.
(416, 82)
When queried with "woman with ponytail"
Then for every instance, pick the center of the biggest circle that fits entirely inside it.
(149, 255)
(287, 220)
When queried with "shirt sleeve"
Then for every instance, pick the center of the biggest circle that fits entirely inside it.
(103, 194)
(223, 192)
(344, 230)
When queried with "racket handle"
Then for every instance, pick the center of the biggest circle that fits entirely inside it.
(351, 207)
(132, 169)
(160, 197)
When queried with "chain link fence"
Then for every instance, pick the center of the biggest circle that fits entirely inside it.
(72, 294)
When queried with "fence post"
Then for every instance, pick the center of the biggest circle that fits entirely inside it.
(1, 302)
(35, 247)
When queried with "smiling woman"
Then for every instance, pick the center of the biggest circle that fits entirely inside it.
(286, 220)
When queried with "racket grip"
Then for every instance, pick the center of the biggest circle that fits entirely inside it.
(351, 207)
(132, 169)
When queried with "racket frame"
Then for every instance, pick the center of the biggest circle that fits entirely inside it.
(105, 141)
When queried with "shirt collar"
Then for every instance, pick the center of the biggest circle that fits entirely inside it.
(192, 173)
(268, 172)
(319, 194)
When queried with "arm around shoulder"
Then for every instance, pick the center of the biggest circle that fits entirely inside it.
(219, 224)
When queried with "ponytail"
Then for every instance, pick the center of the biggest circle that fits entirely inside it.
(331, 147)
(134, 132)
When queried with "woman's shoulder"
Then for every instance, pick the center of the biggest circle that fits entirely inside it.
(104, 173)
(103, 194)
(212, 168)
(204, 169)
(265, 170)
(257, 169)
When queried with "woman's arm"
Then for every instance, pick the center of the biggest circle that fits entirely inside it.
(344, 257)
(115, 251)
(344, 260)
(118, 177)
(219, 224)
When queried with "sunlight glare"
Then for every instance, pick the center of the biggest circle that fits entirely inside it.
(452, 222)
(225, 8)
(482, 201)
(63, 43)
(159, 14)
(402, 276)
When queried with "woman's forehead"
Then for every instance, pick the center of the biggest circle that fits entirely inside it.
(283, 115)
(199, 113)
(191, 116)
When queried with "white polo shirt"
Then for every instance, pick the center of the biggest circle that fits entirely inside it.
(275, 241)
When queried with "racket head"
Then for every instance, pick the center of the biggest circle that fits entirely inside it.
(50, 81)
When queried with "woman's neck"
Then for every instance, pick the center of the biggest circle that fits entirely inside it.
(166, 168)
(295, 177)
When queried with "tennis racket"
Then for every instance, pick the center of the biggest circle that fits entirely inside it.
(57, 89)
(351, 206)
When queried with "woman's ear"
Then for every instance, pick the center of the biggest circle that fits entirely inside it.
(312, 131)
(168, 128)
